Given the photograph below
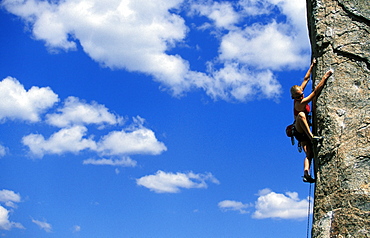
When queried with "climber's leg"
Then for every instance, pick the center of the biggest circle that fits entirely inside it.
(307, 147)
(307, 165)
(301, 125)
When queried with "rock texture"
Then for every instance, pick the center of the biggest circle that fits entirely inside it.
(340, 40)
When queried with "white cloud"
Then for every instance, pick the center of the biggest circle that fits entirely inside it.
(221, 13)
(235, 81)
(230, 205)
(43, 225)
(163, 182)
(73, 137)
(264, 47)
(275, 205)
(137, 35)
(125, 162)
(249, 54)
(77, 112)
(266, 44)
(18, 103)
(9, 198)
(65, 140)
(133, 35)
(294, 10)
(256, 7)
(135, 139)
(5, 224)
(2, 151)
(139, 141)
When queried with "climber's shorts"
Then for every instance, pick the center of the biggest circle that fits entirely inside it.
(301, 137)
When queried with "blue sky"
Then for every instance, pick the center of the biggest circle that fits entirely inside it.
(166, 118)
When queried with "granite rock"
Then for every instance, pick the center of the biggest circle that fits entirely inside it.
(339, 34)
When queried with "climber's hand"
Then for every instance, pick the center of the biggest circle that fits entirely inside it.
(329, 73)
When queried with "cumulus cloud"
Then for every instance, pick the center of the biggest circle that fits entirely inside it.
(133, 35)
(249, 54)
(263, 47)
(18, 103)
(271, 205)
(221, 13)
(270, 45)
(230, 205)
(77, 112)
(5, 224)
(283, 206)
(47, 227)
(235, 81)
(163, 182)
(8, 198)
(73, 118)
(135, 139)
(65, 140)
(138, 35)
(139, 141)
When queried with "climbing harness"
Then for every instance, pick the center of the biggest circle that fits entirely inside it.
(299, 147)
(291, 132)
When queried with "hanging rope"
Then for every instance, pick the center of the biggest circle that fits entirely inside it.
(309, 204)
(309, 210)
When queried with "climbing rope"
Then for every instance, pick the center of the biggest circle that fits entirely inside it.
(309, 209)
(309, 205)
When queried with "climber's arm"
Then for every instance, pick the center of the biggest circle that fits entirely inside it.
(308, 74)
(318, 88)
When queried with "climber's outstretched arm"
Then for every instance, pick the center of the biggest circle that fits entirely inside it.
(308, 74)
(318, 88)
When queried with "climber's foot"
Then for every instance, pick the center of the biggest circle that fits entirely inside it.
(317, 138)
(308, 179)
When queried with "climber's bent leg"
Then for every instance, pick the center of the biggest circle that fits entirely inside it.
(301, 125)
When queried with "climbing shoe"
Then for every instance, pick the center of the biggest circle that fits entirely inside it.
(317, 138)
(308, 179)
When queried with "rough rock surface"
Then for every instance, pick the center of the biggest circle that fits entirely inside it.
(340, 40)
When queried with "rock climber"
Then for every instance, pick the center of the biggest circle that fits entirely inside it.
(302, 125)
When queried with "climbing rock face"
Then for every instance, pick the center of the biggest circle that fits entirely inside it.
(340, 40)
